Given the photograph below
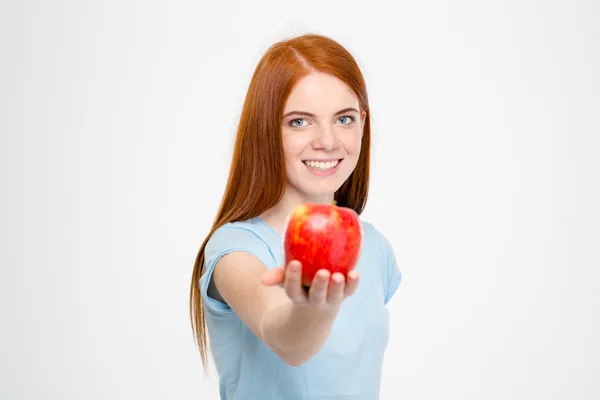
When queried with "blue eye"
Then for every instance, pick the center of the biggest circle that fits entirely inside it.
(352, 119)
(292, 122)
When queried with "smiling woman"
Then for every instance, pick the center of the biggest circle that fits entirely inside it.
(304, 136)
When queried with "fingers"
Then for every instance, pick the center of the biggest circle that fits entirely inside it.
(326, 289)
(336, 289)
(351, 283)
(273, 277)
(292, 283)
(317, 294)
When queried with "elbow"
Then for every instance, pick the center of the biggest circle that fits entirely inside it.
(286, 358)
(285, 355)
(293, 360)
(293, 355)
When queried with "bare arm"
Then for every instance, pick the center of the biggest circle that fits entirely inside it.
(299, 332)
(272, 303)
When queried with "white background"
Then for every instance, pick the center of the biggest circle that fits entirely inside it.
(117, 121)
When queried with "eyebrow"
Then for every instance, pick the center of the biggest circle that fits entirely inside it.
(307, 114)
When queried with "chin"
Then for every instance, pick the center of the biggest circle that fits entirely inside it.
(321, 191)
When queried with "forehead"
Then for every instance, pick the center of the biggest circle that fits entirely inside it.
(320, 93)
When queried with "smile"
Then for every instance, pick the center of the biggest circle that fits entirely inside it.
(322, 165)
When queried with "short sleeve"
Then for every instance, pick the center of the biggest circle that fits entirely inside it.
(225, 240)
(391, 275)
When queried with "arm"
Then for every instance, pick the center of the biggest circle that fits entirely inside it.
(298, 333)
(294, 324)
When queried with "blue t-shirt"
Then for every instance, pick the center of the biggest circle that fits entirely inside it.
(349, 364)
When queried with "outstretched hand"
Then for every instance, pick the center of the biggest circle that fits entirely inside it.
(326, 290)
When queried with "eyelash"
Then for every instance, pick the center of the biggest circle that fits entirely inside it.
(291, 123)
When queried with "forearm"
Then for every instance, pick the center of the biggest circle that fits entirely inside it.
(297, 333)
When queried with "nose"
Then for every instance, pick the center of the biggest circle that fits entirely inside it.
(325, 139)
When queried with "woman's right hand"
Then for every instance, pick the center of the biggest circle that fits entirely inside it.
(326, 290)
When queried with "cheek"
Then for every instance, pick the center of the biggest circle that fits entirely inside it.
(352, 143)
(291, 149)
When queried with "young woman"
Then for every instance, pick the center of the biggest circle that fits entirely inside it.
(304, 136)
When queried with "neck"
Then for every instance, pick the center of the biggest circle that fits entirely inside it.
(277, 215)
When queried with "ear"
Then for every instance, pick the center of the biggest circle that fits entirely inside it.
(363, 117)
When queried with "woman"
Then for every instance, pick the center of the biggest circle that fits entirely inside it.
(304, 136)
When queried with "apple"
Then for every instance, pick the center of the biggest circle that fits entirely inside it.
(322, 236)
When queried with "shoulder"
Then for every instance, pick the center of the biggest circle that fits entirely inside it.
(247, 229)
(374, 236)
(248, 235)
(390, 273)
(377, 245)
(241, 236)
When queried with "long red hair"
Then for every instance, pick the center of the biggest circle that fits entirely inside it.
(257, 177)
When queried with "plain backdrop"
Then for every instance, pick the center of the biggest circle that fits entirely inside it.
(117, 120)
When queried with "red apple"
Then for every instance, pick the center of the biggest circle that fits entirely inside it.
(322, 236)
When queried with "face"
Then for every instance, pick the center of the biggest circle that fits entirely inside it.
(321, 129)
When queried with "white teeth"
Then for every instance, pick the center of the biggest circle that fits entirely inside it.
(320, 165)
